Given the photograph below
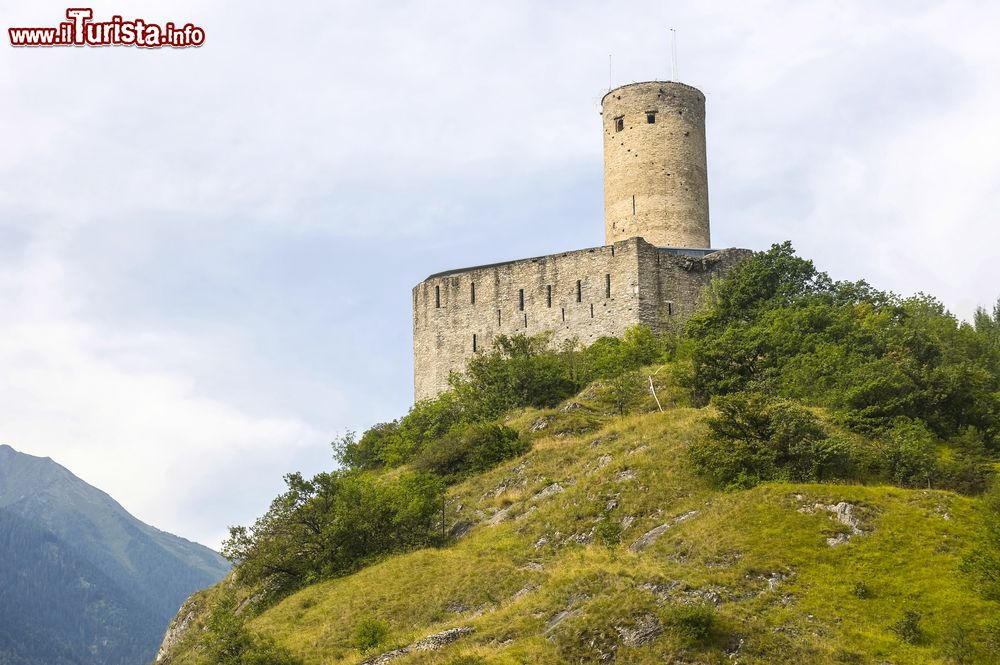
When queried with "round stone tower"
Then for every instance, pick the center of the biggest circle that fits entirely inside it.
(655, 170)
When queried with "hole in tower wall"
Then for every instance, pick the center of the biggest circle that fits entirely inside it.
(591, 310)
(619, 123)
(437, 296)
(607, 285)
(473, 293)
(520, 299)
(548, 295)
(564, 314)
(525, 320)
(498, 317)
(650, 117)
(579, 291)
(474, 347)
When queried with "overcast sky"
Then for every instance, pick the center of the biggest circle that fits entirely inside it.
(206, 255)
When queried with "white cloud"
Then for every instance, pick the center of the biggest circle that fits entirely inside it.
(186, 236)
(96, 401)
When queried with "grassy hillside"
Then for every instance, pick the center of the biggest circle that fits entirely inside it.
(546, 573)
(831, 500)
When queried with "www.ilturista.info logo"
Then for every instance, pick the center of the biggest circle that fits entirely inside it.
(81, 30)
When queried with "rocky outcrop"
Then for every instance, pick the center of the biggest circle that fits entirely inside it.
(178, 628)
(650, 536)
(429, 643)
(646, 629)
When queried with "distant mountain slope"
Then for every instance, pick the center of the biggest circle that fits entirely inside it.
(82, 580)
(58, 609)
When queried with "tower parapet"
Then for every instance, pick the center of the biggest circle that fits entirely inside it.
(655, 165)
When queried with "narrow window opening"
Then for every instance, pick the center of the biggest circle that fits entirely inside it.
(591, 310)
(473, 293)
(525, 320)
(437, 296)
(498, 317)
(612, 250)
(633, 204)
(520, 299)
(579, 291)
(474, 347)
(564, 314)
(670, 309)
(607, 285)
(650, 117)
(619, 123)
(548, 295)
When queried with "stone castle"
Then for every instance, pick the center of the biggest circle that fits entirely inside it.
(652, 270)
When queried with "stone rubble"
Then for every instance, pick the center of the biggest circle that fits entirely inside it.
(429, 643)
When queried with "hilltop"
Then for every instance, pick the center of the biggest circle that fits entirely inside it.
(808, 483)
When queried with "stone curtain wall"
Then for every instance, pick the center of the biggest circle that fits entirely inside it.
(646, 285)
(680, 282)
(442, 336)
(655, 173)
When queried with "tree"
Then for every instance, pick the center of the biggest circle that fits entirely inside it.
(756, 437)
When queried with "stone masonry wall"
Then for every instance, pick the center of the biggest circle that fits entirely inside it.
(681, 281)
(646, 284)
(443, 335)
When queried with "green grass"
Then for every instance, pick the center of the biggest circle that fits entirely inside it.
(568, 551)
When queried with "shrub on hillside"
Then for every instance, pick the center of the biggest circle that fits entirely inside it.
(369, 633)
(693, 621)
(908, 628)
(518, 371)
(334, 523)
(982, 562)
(904, 454)
(227, 640)
(756, 438)
(775, 324)
(470, 448)
(623, 392)
(391, 444)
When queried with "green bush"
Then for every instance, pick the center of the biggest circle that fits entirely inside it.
(391, 444)
(908, 628)
(755, 438)
(333, 524)
(227, 641)
(777, 325)
(624, 391)
(905, 454)
(470, 448)
(982, 562)
(608, 532)
(369, 633)
(958, 645)
(693, 622)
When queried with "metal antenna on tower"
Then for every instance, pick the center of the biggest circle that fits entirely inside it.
(673, 53)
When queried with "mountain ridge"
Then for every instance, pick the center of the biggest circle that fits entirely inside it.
(133, 576)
